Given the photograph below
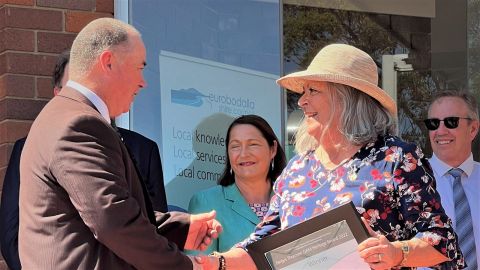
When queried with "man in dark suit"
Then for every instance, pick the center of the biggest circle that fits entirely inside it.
(11, 182)
(9, 209)
(82, 203)
(147, 158)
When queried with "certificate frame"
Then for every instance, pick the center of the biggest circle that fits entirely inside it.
(347, 214)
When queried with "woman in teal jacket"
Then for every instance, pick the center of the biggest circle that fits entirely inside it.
(254, 160)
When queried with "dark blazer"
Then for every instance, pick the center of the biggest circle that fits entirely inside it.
(147, 158)
(9, 209)
(82, 204)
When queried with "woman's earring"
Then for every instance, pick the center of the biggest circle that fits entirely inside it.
(231, 171)
(273, 166)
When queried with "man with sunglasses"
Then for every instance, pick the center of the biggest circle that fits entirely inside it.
(453, 124)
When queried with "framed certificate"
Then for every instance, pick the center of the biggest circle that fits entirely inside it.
(327, 241)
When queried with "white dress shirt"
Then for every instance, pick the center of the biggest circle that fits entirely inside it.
(471, 185)
(94, 98)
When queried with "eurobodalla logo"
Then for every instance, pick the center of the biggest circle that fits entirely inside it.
(194, 98)
(189, 97)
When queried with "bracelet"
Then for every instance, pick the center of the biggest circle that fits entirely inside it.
(222, 263)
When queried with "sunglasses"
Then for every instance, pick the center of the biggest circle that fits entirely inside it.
(449, 122)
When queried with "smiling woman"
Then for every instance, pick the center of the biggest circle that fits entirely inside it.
(347, 151)
(254, 161)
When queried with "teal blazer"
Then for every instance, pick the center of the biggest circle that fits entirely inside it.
(237, 218)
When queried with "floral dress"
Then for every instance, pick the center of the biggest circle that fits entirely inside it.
(389, 181)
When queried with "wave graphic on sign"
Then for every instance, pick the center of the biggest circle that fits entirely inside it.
(189, 97)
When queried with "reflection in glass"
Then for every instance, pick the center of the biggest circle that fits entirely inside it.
(413, 54)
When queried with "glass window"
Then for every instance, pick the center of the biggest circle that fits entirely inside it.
(208, 62)
(416, 55)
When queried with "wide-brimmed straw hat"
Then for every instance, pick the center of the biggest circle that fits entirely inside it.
(343, 64)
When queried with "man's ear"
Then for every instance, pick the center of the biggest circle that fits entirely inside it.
(56, 90)
(106, 59)
(474, 129)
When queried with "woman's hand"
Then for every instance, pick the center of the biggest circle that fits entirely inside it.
(204, 262)
(235, 259)
(378, 252)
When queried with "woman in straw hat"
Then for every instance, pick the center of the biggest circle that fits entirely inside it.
(347, 151)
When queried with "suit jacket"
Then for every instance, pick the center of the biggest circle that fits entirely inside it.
(237, 218)
(147, 158)
(81, 201)
(145, 152)
(9, 208)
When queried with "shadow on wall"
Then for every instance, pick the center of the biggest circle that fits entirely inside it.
(204, 171)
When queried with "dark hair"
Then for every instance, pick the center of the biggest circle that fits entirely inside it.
(59, 70)
(258, 122)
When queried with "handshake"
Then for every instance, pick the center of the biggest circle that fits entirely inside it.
(204, 228)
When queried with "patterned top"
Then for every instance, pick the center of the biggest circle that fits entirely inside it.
(389, 181)
(260, 209)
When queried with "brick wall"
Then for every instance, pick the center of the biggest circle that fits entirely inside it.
(32, 34)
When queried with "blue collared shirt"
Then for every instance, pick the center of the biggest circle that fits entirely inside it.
(471, 185)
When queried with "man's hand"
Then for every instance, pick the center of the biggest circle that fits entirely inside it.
(203, 228)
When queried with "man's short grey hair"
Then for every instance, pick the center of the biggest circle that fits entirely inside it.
(466, 96)
(362, 119)
(96, 37)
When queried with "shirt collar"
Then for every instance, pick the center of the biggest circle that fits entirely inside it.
(441, 168)
(94, 98)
